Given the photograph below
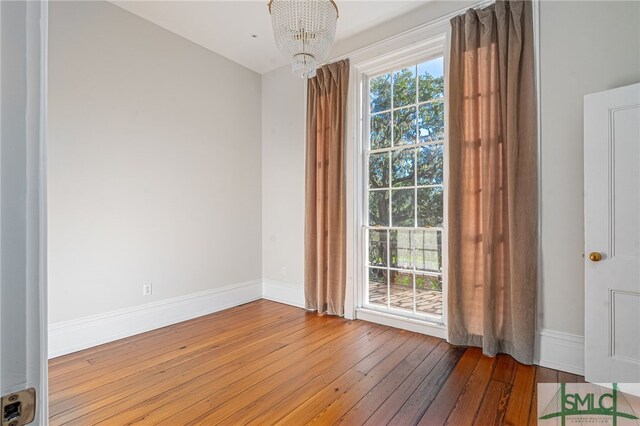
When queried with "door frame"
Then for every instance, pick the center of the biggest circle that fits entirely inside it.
(27, 346)
(42, 216)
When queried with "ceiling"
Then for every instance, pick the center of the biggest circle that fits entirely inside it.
(227, 27)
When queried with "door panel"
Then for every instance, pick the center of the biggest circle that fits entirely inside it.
(612, 228)
(623, 306)
(626, 181)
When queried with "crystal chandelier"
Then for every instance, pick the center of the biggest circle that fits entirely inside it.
(304, 31)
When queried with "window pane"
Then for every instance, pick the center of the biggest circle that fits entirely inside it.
(428, 251)
(379, 208)
(380, 135)
(400, 249)
(429, 294)
(404, 87)
(403, 207)
(378, 286)
(403, 168)
(404, 126)
(380, 93)
(431, 80)
(379, 170)
(377, 248)
(431, 122)
(404, 263)
(401, 290)
(430, 207)
(430, 165)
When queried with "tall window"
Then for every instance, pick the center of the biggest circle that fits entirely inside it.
(404, 227)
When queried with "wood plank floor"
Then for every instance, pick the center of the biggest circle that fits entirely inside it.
(266, 363)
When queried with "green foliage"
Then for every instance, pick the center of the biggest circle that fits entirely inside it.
(401, 278)
(404, 87)
(430, 87)
(427, 122)
(377, 248)
(409, 102)
(430, 165)
(424, 282)
(380, 130)
(404, 126)
(379, 170)
(431, 122)
(378, 275)
(380, 93)
(402, 207)
(379, 208)
(430, 202)
(403, 168)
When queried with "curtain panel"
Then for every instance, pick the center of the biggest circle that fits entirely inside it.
(493, 181)
(325, 199)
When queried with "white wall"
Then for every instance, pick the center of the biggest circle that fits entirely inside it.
(431, 11)
(283, 174)
(585, 47)
(154, 164)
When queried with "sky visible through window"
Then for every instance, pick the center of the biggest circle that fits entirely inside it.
(435, 68)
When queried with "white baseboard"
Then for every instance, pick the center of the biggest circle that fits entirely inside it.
(561, 351)
(290, 294)
(556, 350)
(432, 329)
(75, 335)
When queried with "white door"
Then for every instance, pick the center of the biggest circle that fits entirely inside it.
(612, 235)
(23, 373)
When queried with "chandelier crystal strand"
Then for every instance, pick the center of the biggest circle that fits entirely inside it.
(304, 31)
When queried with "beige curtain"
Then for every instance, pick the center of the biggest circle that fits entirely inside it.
(325, 244)
(492, 183)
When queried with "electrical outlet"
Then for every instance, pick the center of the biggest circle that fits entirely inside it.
(146, 289)
(283, 271)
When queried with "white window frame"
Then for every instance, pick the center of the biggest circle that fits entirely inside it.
(434, 45)
(434, 50)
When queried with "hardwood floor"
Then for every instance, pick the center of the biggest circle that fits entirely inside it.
(266, 363)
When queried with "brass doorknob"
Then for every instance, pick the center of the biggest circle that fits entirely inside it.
(594, 256)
